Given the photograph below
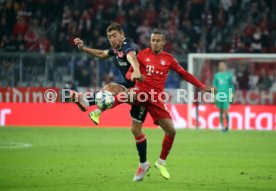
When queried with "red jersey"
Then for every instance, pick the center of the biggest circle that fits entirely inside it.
(155, 68)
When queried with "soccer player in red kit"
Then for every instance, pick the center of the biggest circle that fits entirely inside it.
(154, 66)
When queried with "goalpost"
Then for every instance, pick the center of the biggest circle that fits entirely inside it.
(204, 66)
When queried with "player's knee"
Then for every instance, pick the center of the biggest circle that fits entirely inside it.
(136, 128)
(171, 132)
(136, 131)
(114, 88)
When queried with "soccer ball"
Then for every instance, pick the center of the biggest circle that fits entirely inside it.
(104, 100)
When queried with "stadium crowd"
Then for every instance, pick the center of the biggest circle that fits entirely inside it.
(190, 25)
(212, 26)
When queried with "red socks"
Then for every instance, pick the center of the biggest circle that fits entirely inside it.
(166, 146)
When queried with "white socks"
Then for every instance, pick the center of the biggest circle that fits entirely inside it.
(144, 164)
(161, 161)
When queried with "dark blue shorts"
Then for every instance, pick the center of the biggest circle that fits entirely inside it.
(138, 112)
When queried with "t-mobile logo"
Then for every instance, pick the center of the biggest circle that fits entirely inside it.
(150, 69)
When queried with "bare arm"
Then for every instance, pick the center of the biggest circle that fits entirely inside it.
(103, 54)
(131, 57)
(136, 75)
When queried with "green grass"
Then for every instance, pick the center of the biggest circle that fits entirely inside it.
(106, 160)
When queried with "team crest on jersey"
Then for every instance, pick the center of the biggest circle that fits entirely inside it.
(163, 62)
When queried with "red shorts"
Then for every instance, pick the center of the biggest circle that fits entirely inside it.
(157, 108)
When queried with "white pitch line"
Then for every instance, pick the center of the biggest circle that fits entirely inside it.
(13, 145)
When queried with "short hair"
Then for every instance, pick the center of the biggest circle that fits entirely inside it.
(160, 33)
(114, 26)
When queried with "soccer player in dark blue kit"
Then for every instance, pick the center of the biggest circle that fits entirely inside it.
(124, 51)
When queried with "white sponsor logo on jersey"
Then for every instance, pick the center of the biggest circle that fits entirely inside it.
(150, 69)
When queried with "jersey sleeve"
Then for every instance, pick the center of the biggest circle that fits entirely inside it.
(127, 47)
(186, 75)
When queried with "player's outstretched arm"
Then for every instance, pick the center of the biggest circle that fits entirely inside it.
(136, 74)
(191, 78)
(103, 54)
(129, 74)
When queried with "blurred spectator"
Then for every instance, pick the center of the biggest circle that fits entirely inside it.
(20, 27)
(143, 31)
(20, 43)
(255, 14)
(264, 82)
(256, 44)
(222, 17)
(44, 45)
(236, 42)
(84, 78)
(85, 24)
(196, 25)
(4, 30)
(243, 79)
(31, 38)
(13, 44)
(61, 45)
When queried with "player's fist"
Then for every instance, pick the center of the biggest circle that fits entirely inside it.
(79, 43)
(136, 75)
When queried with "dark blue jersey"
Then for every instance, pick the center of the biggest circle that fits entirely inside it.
(121, 57)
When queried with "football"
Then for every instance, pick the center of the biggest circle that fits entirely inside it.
(104, 100)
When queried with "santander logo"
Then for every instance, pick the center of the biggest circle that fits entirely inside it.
(242, 117)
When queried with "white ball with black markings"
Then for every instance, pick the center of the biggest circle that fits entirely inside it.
(104, 100)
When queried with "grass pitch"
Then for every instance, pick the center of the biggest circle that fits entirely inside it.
(106, 159)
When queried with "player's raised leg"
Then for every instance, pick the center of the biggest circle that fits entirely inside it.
(111, 87)
(79, 100)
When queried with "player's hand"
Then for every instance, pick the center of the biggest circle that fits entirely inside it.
(79, 43)
(210, 89)
(136, 75)
(142, 78)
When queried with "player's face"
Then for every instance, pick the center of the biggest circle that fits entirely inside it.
(222, 66)
(115, 38)
(157, 43)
